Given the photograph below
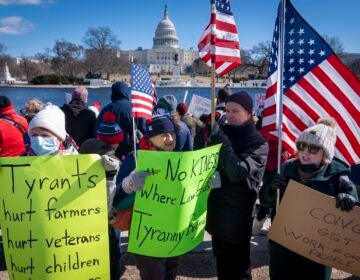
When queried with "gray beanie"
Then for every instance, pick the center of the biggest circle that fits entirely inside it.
(322, 135)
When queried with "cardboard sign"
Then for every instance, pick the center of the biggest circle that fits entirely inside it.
(199, 105)
(309, 224)
(169, 214)
(53, 215)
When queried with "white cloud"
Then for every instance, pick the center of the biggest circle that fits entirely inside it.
(20, 2)
(14, 25)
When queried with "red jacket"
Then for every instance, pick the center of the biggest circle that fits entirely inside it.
(11, 138)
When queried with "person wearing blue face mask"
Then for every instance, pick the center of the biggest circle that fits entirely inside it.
(48, 135)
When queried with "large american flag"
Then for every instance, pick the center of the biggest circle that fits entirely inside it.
(142, 98)
(219, 42)
(316, 84)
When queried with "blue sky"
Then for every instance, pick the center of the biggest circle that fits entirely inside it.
(29, 26)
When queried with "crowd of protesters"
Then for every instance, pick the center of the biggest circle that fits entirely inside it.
(247, 164)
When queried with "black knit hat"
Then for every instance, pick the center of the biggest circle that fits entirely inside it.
(242, 98)
(160, 125)
(4, 101)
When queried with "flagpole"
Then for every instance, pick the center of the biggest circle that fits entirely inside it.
(212, 95)
(280, 89)
(134, 141)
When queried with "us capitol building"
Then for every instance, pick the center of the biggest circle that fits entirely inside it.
(165, 55)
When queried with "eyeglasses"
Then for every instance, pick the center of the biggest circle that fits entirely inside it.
(313, 149)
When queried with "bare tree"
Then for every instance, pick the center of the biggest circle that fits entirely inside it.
(101, 38)
(66, 56)
(102, 51)
(335, 43)
(28, 68)
(258, 57)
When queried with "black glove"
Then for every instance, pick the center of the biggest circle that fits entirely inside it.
(217, 136)
(345, 202)
(278, 182)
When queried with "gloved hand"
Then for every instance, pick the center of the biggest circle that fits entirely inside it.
(134, 182)
(111, 165)
(278, 182)
(217, 136)
(345, 202)
(215, 181)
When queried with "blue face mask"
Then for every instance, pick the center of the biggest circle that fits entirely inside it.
(44, 145)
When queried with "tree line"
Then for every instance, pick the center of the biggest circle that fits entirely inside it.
(100, 56)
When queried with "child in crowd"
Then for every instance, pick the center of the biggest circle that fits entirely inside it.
(48, 135)
(161, 137)
(108, 136)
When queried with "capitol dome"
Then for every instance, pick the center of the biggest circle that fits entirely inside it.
(165, 34)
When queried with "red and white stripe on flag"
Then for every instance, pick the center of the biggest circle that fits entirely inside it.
(316, 84)
(142, 105)
(141, 92)
(219, 43)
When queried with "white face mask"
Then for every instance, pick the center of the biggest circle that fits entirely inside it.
(44, 145)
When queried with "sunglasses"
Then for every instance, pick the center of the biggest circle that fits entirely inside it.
(313, 149)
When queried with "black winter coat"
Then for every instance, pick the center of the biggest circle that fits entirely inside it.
(79, 121)
(241, 165)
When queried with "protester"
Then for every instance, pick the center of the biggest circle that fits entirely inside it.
(241, 165)
(79, 120)
(48, 134)
(32, 107)
(108, 137)
(13, 130)
(167, 106)
(120, 106)
(161, 136)
(193, 123)
(315, 168)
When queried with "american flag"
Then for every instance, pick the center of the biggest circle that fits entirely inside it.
(141, 92)
(315, 84)
(219, 42)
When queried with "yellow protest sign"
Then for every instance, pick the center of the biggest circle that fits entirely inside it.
(309, 224)
(53, 216)
(169, 214)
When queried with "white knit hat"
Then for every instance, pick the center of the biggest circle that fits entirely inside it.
(322, 135)
(52, 119)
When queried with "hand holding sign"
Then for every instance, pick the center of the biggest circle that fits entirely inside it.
(135, 181)
(345, 202)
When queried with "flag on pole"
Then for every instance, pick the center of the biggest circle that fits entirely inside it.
(219, 42)
(142, 97)
(316, 84)
(154, 94)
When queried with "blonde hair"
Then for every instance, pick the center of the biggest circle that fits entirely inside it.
(33, 106)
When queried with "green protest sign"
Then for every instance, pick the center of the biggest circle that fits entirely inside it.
(53, 216)
(170, 212)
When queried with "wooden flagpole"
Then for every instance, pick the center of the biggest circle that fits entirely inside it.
(212, 95)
